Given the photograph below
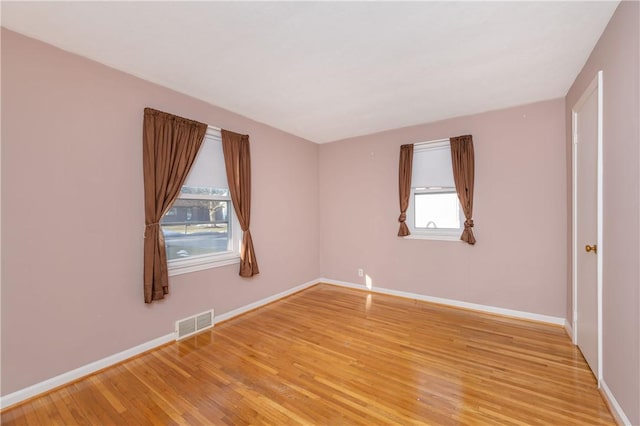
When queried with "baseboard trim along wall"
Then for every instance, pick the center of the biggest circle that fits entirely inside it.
(250, 307)
(70, 376)
(455, 303)
(65, 378)
(619, 415)
(568, 329)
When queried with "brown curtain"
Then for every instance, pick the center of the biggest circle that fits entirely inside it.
(404, 186)
(237, 160)
(170, 146)
(463, 163)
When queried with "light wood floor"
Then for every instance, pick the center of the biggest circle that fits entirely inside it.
(336, 356)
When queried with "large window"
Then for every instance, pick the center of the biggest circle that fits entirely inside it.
(200, 229)
(434, 210)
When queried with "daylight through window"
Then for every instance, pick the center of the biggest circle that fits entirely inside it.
(434, 209)
(200, 229)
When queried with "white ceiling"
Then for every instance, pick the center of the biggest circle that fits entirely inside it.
(331, 70)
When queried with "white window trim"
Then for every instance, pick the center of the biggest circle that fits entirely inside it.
(201, 263)
(448, 234)
(438, 143)
(213, 260)
(433, 237)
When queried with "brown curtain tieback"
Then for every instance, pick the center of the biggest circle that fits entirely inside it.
(403, 217)
(148, 225)
(468, 223)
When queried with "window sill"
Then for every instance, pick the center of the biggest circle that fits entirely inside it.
(186, 266)
(433, 237)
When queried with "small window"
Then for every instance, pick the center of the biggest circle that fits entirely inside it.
(434, 209)
(200, 229)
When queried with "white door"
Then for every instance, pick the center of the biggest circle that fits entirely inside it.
(587, 242)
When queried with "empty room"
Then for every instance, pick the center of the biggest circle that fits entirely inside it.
(320, 213)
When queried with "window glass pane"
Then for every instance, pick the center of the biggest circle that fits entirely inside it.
(437, 211)
(195, 227)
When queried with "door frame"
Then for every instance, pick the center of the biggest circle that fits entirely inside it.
(594, 86)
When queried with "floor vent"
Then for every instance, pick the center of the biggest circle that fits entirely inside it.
(192, 325)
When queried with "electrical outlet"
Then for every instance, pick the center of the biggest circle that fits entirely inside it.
(361, 272)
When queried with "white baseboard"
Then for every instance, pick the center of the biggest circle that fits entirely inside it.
(62, 379)
(619, 415)
(85, 370)
(568, 329)
(455, 303)
(243, 309)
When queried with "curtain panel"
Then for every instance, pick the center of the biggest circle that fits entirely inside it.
(170, 146)
(404, 186)
(237, 160)
(463, 163)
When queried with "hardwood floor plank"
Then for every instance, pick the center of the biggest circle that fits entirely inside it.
(335, 356)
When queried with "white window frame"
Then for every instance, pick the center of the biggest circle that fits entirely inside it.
(211, 260)
(444, 234)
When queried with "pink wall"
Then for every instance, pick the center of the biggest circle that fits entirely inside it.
(519, 261)
(72, 212)
(617, 55)
(72, 218)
